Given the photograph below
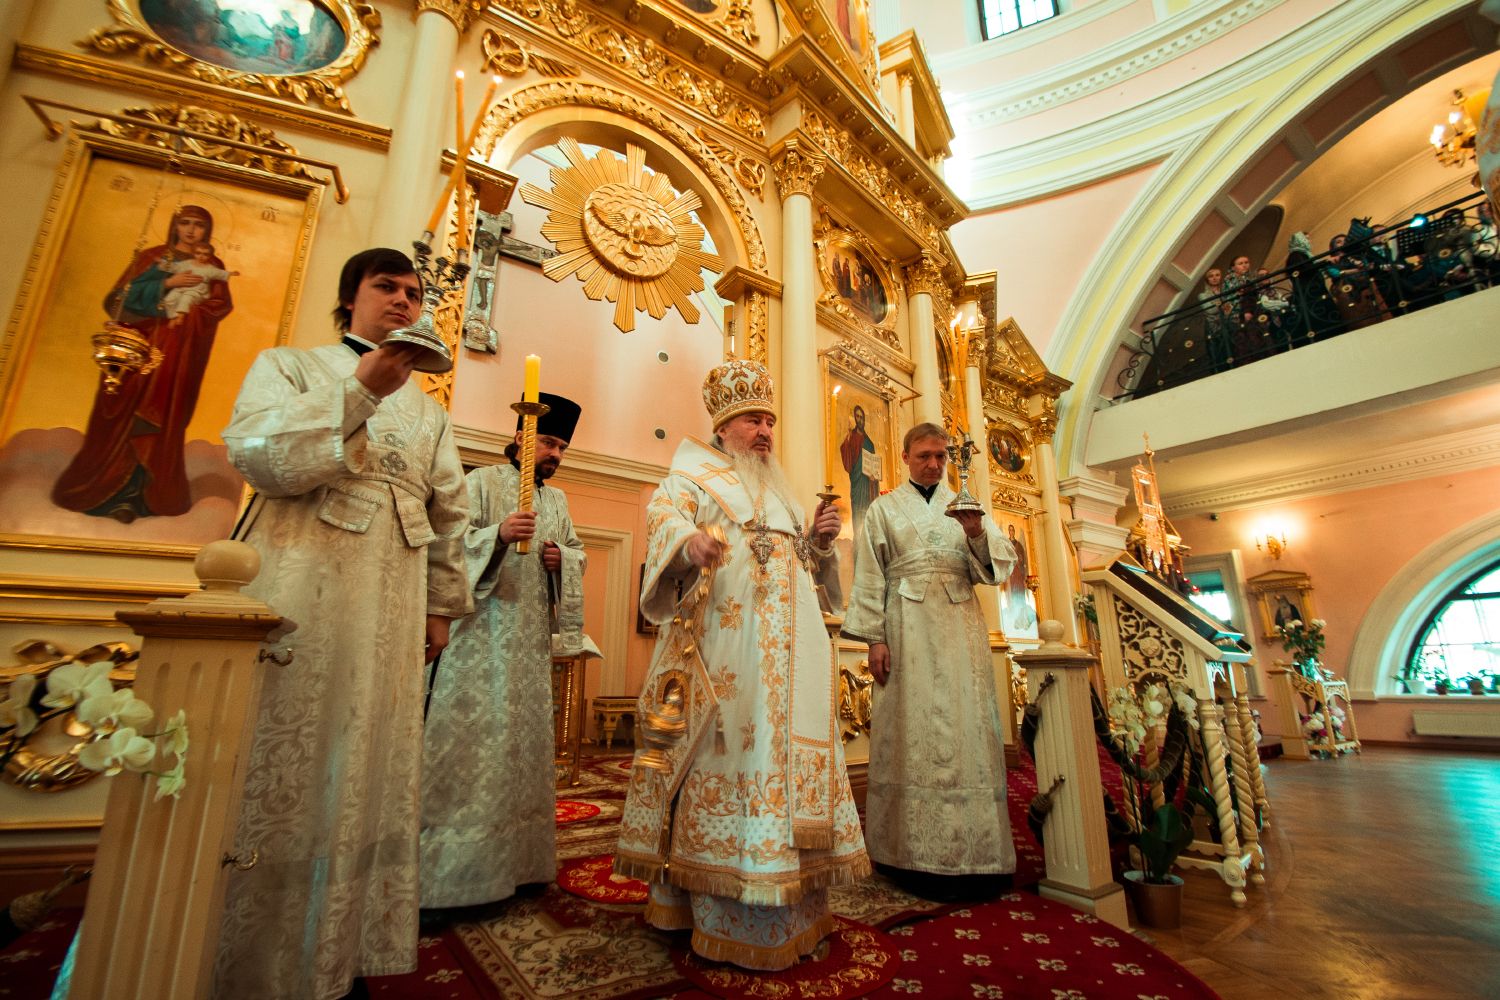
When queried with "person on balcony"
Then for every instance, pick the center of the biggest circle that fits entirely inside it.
(1313, 314)
(1354, 293)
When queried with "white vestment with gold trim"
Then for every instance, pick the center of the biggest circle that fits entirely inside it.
(353, 491)
(753, 810)
(489, 798)
(936, 800)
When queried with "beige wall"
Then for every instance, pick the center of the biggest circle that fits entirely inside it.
(1352, 545)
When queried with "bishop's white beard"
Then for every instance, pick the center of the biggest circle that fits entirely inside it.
(761, 472)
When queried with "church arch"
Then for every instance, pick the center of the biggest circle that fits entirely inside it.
(538, 115)
(1397, 614)
(1218, 171)
(542, 113)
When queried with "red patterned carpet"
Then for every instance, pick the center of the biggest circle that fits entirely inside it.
(584, 938)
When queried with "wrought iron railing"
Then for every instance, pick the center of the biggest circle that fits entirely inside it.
(1433, 257)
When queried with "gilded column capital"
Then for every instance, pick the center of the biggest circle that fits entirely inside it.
(1044, 423)
(462, 13)
(924, 276)
(797, 166)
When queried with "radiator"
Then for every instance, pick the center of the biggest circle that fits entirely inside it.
(1485, 723)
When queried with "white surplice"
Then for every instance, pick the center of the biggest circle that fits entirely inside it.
(489, 801)
(753, 810)
(936, 800)
(352, 491)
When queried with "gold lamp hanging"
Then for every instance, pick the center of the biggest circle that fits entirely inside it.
(121, 349)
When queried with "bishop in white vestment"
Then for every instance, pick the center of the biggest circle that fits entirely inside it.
(489, 800)
(936, 801)
(745, 819)
(356, 475)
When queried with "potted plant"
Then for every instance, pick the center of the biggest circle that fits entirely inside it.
(1475, 683)
(1137, 721)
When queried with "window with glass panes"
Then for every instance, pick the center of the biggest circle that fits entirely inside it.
(1001, 17)
(1461, 638)
(1210, 594)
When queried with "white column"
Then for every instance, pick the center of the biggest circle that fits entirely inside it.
(1057, 577)
(797, 167)
(151, 926)
(906, 115)
(923, 280)
(423, 126)
(979, 473)
(1076, 843)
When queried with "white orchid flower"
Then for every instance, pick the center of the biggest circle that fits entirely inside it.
(114, 710)
(122, 749)
(15, 710)
(171, 783)
(1319, 623)
(74, 682)
(177, 735)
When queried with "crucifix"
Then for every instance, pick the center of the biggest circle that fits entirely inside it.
(761, 544)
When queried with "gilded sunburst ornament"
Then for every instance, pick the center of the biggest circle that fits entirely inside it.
(628, 236)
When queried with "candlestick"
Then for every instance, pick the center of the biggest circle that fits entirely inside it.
(442, 202)
(529, 409)
(533, 383)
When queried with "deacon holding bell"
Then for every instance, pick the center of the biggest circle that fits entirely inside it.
(742, 818)
(488, 800)
(936, 812)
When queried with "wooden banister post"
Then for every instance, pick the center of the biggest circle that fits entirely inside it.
(1077, 844)
(151, 926)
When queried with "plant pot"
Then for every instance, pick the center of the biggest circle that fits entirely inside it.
(1476, 685)
(1156, 904)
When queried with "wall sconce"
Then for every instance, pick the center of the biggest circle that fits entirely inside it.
(1268, 541)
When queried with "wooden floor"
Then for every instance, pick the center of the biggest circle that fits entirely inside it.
(1382, 883)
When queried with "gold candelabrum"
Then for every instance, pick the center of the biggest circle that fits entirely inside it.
(526, 443)
(121, 350)
(964, 502)
(441, 277)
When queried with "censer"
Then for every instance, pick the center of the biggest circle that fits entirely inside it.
(121, 349)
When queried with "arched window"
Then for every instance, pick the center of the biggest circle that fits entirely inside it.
(1001, 17)
(1460, 640)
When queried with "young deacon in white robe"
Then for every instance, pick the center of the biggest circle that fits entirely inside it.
(357, 475)
(936, 800)
(750, 820)
(489, 798)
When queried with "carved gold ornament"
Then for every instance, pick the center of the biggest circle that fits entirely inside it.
(625, 232)
(208, 125)
(507, 56)
(320, 84)
(44, 758)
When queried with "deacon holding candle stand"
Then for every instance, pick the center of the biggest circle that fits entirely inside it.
(489, 801)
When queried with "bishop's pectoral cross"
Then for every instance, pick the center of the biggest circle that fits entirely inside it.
(761, 543)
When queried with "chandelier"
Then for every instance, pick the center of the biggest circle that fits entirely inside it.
(1453, 140)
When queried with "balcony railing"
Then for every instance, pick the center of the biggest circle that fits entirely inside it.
(1433, 257)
